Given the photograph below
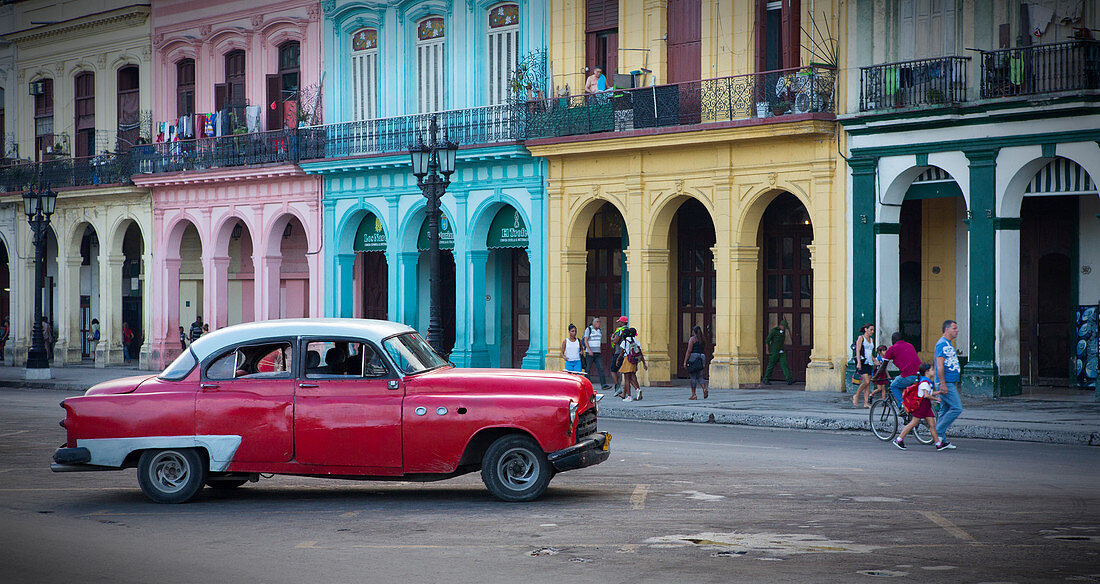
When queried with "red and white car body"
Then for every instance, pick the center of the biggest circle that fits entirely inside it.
(342, 398)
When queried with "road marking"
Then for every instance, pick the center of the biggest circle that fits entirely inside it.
(6, 434)
(306, 545)
(947, 526)
(706, 443)
(349, 514)
(637, 499)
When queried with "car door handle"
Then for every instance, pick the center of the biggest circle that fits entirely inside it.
(307, 385)
(205, 386)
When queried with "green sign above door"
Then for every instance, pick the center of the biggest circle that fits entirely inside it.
(369, 236)
(446, 235)
(507, 230)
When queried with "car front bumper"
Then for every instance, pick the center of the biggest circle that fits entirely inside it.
(592, 450)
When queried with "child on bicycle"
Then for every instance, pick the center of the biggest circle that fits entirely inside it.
(926, 392)
(881, 377)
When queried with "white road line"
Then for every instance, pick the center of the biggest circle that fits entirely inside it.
(637, 499)
(349, 514)
(306, 545)
(6, 434)
(706, 443)
(947, 526)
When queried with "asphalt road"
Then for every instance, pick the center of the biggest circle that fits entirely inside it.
(675, 503)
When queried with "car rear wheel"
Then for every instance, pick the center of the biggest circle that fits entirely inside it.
(171, 476)
(515, 468)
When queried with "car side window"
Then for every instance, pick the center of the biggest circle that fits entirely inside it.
(264, 361)
(334, 359)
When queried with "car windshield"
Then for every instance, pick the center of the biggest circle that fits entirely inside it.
(412, 354)
(180, 367)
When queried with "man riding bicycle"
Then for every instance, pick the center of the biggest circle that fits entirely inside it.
(904, 355)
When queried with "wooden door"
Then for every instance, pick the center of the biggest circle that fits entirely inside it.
(603, 286)
(521, 305)
(375, 287)
(695, 279)
(788, 280)
(85, 326)
(684, 31)
(1047, 241)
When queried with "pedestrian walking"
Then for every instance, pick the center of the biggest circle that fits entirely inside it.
(880, 377)
(948, 373)
(48, 337)
(631, 356)
(904, 355)
(5, 333)
(775, 341)
(865, 363)
(616, 339)
(196, 329)
(593, 341)
(93, 337)
(571, 351)
(923, 411)
(183, 339)
(695, 361)
(127, 339)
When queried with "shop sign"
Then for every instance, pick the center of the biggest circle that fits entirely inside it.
(369, 236)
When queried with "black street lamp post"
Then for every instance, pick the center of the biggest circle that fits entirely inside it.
(428, 162)
(38, 205)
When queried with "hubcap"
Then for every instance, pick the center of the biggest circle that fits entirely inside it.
(169, 471)
(518, 469)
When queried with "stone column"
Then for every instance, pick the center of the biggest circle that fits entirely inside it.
(821, 375)
(719, 370)
(110, 308)
(569, 305)
(407, 287)
(1007, 351)
(67, 351)
(268, 284)
(654, 315)
(980, 374)
(888, 284)
(166, 334)
(476, 352)
(863, 241)
(532, 358)
(744, 365)
(216, 291)
(145, 356)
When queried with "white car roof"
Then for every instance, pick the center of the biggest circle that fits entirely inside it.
(371, 330)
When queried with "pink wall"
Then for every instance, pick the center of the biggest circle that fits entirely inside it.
(205, 30)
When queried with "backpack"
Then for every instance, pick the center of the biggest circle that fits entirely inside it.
(634, 354)
(910, 398)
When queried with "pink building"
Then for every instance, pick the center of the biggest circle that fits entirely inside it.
(236, 223)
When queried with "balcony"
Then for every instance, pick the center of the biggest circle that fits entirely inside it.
(804, 90)
(105, 169)
(494, 124)
(918, 83)
(1041, 69)
(275, 147)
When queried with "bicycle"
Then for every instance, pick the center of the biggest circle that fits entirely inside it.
(884, 421)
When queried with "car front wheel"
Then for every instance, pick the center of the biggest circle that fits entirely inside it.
(515, 468)
(171, 476)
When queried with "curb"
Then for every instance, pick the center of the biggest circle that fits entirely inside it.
(803, 422)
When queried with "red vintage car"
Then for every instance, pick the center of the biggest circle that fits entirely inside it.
(338, 398)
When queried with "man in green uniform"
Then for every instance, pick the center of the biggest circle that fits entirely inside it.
(775, 341)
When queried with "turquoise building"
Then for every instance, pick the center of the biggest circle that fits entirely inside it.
(390, 68)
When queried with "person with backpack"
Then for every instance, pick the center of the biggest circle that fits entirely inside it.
(631, 355)
(917, 399)
(616, 340)
(593, 339)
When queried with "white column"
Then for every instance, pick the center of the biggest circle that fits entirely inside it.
(887, 286)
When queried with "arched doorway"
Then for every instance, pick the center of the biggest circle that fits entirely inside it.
(133, 247)
(190, 278)
(605, 274)
(511, 274)
(88, 295)
(447, 279)
(786, 235)
(293, 270)
(371, 268)
(240, 276)
(692, 240)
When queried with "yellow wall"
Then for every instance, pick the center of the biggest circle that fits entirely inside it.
(937, 251)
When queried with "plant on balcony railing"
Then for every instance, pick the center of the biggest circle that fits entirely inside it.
(1053, 68)
(104, 169)
(802, 90)
(481, 125)
(275, 147)
(922, 82)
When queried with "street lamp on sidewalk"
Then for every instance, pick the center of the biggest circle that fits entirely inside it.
(428, 162)
(38, 205)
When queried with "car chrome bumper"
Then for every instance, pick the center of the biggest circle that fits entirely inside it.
(592, 450)
(75, 460)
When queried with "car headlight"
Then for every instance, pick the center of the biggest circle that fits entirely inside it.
(572, 414)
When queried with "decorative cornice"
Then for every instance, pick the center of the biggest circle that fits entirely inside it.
(196, 177)
(138, 13)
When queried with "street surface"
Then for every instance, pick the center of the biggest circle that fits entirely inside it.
(675, 503)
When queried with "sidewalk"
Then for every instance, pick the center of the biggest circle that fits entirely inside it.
(1057, 417)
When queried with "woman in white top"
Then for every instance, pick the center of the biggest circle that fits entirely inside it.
(571, 351)
(865, 363)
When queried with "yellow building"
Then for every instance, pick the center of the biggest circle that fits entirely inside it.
(704, 189)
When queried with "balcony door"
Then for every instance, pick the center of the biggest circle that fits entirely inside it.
(684, 30)
(926, 29)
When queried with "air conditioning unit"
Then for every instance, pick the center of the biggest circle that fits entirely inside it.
(37, 87)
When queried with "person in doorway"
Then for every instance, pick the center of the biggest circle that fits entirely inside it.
(592, 84)
(127, 340)
(904, 355)
(923, 412)
(865, 363)
(93, 337)
(775, 341)
(616, 339)
(48, 337)
(695, 361)
(948, 373)
(593, 340)
(183, 339)
(571, 351)
(196, 329)
(5, 333)
(632, 355)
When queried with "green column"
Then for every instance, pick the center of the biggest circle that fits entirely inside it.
(979, 377)
(863, 240)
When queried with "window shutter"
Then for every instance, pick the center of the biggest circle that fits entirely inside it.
(503, 47)
(906, 32)
(364, 79)
(792, 33)
(274, 96)
(219, 96)
(761, 35)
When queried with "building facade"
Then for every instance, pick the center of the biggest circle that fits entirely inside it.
(75, 98)
(704, 189)
(973, 184)
(392, 68)
(237, 222)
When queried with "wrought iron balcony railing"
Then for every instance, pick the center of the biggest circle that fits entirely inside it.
(922, 82)
(104, 169)
(802, 90)
(481, 125)
(1053, 68)
(275, 147)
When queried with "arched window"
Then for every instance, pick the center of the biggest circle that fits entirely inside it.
(129, 104)
(429, 64)
(43, 117)
(503, 49)
(364, 74)
(185, 87)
